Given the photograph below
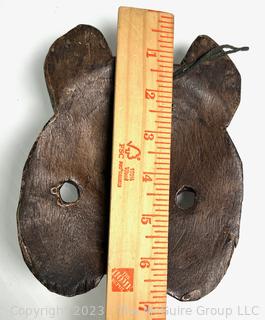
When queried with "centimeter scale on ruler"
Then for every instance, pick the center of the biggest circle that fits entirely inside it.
(138, 236)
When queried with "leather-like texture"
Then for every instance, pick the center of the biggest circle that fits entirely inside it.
(203, 158)
(65, 245)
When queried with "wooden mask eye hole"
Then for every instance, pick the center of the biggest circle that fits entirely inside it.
(185, 198)
(69, 192)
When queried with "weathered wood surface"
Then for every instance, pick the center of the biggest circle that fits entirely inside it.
(202, 238)
(65, 245)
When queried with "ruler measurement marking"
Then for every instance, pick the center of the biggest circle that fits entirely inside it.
(156, 237)
(159, 269)
(163, 81)
(151, 258)
(160, 111)
(159, 226)
(167, 27)
(160, 71)
(157, 194)
(166, 37)
(168, 22)
(157, 152)
(159, 50)
(169, 57)
(163, 41)
(165, 107)
(157, 131)
(157, 173)
(167, 97)
(166, 61)
(163, 86)
(167, 17)
(163, 91)
(163, 66)
(162, 163)
(168, 107)
(161, 184)
(164, 117)
(163, 76)
(162, 31)
(163, 122)
(146, 156)
(167, 47)
(154, 215)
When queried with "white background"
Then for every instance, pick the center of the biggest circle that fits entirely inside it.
(27, 29)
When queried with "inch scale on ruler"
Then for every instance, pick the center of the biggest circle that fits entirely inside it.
(138, 238)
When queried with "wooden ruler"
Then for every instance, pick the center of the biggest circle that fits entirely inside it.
(138, 239)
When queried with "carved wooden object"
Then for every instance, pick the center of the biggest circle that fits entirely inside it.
(65, 244)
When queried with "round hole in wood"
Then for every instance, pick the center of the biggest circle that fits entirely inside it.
(69, 192)
(185, 198)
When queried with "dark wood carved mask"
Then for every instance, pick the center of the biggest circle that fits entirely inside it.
(65, 244)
